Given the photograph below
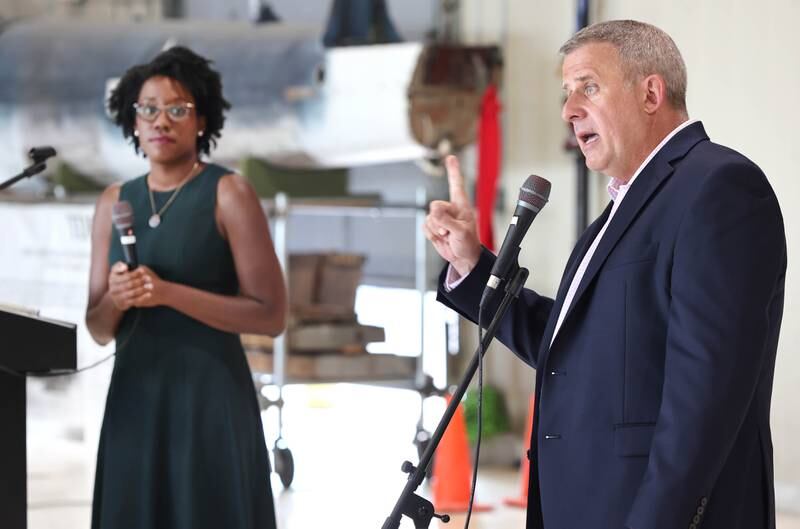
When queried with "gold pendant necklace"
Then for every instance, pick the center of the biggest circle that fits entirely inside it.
(155, 218)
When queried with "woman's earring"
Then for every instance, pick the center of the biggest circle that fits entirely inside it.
(199, 133)
(136, 133)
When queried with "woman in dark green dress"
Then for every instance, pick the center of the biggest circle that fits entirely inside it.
(182, 444)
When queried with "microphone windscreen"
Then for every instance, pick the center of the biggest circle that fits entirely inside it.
(122, 215)
(535, 191)
(40, 154)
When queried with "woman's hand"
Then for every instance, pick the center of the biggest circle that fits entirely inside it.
(140, 287)
(125, 287)
(155, 289)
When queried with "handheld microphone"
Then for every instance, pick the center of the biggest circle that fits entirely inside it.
(122, 217)
(40, 154)
(533, 196)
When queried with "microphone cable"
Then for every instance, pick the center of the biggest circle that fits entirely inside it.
(70, 372)
(480, 418)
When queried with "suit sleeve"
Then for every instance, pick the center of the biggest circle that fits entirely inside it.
(523, 325)
(726, 293)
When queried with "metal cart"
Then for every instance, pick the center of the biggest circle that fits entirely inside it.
(282, 368)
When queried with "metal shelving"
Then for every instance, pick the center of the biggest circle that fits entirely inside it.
(375, 369)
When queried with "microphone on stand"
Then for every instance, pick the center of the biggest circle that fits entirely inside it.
(40, 154)
(533, 196)
(122, 217)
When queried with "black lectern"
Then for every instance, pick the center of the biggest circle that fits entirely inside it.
(28, 344)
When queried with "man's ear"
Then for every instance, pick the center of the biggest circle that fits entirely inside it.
(654, 90)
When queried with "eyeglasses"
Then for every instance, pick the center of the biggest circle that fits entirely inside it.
(175, 112)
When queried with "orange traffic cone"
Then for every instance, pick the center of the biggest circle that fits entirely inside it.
(524, 466)
(452, 469)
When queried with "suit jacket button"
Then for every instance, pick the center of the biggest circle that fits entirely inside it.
(703, 501)
(701, 510)
(696, 519)
(692, 526)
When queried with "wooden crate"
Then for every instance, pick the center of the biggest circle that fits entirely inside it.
(321, 338)
(322, 286)
(338, 368)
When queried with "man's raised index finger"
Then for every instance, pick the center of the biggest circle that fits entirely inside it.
(455, 181)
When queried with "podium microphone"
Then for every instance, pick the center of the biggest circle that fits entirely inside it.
(122, 217)
(533, 196)
(40, 154)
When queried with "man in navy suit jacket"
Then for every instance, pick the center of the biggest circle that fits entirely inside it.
(654, 363)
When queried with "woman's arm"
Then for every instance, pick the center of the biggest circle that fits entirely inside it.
(260, 306)
(112, 290)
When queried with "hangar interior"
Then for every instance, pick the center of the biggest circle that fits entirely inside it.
(329, 124)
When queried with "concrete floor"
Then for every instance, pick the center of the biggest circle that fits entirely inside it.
(334, 449)
(60, 497)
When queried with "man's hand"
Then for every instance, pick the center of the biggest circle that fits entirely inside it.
(451, 226)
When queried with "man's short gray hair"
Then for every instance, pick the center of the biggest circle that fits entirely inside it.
(643, 50)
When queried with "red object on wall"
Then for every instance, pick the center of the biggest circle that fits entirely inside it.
(489, 153)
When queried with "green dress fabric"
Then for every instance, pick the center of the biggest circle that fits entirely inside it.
(182, 444)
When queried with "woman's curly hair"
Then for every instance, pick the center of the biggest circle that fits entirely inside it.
(193, 72)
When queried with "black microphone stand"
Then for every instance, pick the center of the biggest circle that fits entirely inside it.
(35, 168)
(410, 504)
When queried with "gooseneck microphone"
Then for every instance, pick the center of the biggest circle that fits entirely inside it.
(533, 196)
(122, 217)
(40, 154)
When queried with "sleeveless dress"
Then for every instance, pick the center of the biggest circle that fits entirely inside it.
(182, 445)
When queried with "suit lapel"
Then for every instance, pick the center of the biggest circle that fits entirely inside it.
(575, 260)
(577, 257)
(643, 188)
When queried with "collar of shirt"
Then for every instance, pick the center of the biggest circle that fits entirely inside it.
(618, 188)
